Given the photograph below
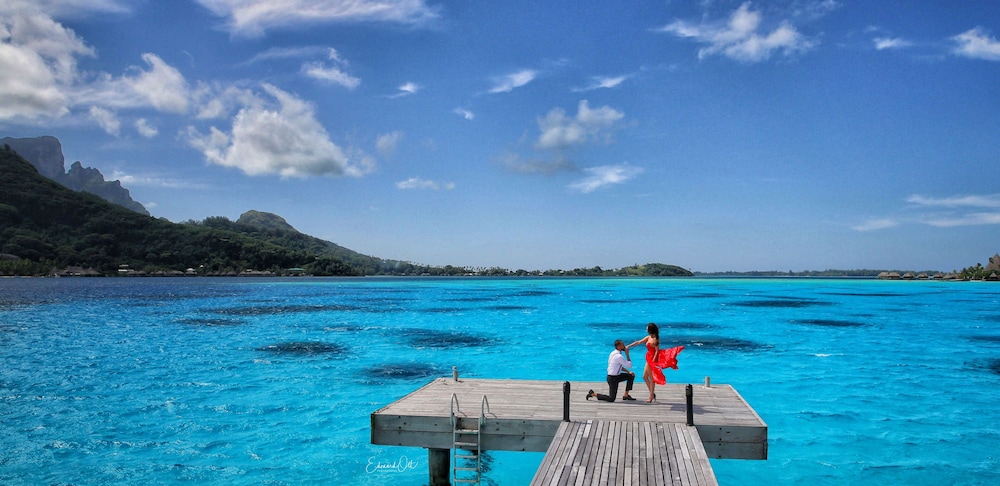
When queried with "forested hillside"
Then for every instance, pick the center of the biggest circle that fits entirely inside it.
(45, 226)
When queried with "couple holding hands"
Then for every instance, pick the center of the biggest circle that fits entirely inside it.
(652, 374)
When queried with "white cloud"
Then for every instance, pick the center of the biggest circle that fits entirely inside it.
(560, 131)
(407, 89)
(462, 112)
(330, 74)
(161, 87)
(974, 201)
(977, 44)
(882, 43)
(145, 129)
(289, 53)
(386, 144)
(507, 83)
(216, 102)
(971, 219)
(599, 82)
(741, 38)
(876, 224)
(418, 183)
(278, 137)
(38, 59)
(132, 180)
(69, 8)
(945, 212)
(106, 119)
(253, 17)
(605, 175)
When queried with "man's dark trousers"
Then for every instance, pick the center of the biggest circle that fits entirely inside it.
(613, 381)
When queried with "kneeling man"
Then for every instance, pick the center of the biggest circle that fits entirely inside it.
(618, 371)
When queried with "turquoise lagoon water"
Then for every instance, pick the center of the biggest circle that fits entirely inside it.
(272, 381)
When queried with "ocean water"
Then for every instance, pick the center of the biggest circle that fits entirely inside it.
(272, 381)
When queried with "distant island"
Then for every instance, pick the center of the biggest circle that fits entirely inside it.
(77, 224)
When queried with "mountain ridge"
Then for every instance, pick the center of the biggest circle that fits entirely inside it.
(46, 155)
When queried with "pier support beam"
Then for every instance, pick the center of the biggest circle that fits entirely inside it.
(439, 467)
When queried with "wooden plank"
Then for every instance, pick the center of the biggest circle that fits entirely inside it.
(655, 461)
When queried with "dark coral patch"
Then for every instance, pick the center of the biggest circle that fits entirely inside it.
(304, 348)
(829, 323)
(508, 308)
(345, 328)
(533, 293)
(986, 338)
(445, 310)
(429, 338)
(714, 343)
(403, 371)
(992, 365)
(703, 295)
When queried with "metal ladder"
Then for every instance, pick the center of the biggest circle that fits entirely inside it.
(466, 443)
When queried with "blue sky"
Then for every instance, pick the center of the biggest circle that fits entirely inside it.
(714, 135)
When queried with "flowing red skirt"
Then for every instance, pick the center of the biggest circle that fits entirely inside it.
(665, 358)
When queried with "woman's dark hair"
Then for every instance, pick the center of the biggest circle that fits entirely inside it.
(654, 331)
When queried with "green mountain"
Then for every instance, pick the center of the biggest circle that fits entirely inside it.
(45, 226)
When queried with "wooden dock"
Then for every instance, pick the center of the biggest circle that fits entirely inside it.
(525, 415)
(637, 453)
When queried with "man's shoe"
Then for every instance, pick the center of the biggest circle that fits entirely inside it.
(628, 398)
(590, 394)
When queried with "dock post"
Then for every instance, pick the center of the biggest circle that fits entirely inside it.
(454, 373)
(689, 398)
(565, 401)
(439, 467)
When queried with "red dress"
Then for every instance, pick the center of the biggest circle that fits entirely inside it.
(665, 358)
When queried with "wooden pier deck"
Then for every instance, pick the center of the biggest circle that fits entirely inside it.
(634, 453)
(524, 415)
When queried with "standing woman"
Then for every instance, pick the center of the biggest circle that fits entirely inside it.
(652, 350)
(656, 360)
